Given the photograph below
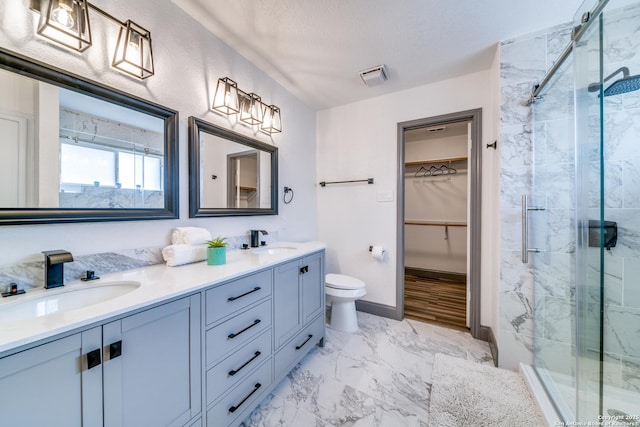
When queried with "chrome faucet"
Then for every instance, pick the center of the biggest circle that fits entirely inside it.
(255, 237)
(54, 267)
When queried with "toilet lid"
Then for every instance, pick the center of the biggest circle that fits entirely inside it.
(341, 281)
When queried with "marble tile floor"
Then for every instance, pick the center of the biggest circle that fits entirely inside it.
(378, 376)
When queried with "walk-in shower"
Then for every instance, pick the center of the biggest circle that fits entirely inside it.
(586, 184)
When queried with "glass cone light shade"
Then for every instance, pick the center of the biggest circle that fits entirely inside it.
(65, 22)
(272, 122)
(134, 55)
(251, 108)
(226, 98)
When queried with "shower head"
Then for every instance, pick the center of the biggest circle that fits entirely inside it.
(623, 85)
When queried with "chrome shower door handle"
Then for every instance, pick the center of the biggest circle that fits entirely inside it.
(525, 228)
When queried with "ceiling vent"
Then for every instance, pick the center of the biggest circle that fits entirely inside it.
(374, 76)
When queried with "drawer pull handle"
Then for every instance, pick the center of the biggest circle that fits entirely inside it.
(256, 289)
(235, 408)
(93, 359)
(115, 350)
(254, 357)
(232, 335)
(305, 341)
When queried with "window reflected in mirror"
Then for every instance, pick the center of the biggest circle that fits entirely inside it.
(88, 153)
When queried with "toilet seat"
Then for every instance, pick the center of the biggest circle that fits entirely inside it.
(345, 294)
(341, 281)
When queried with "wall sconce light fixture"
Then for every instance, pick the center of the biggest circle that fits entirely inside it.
(251, 108)
(226, 97)
(229, 99)
(67, 22)
(133, 51)
(272, 122)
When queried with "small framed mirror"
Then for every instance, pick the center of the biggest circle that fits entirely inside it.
(230, 174)
(75, 150)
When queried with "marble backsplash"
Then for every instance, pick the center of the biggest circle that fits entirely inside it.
(31, 274)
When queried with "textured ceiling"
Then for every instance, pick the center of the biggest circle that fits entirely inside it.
(315, 48)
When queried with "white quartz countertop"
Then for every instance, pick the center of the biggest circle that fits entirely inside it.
(158, 283)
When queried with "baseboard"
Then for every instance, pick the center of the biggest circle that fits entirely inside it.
(377, 309)
(486, 334)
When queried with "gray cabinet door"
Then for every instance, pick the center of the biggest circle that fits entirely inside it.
(57, 381)
(156, 378)
(287, 319)
(312, 283)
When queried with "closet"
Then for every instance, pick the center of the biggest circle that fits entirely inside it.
(436, 188)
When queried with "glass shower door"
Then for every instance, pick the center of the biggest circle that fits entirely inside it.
(552, 230)
(608, 208)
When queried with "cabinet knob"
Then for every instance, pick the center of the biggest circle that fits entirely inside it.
(115, 350)
(304, 269)
(93, 358)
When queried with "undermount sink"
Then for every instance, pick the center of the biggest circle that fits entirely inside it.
(63, 299)
(274, 251)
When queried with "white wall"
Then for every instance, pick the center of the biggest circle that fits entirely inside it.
(358, 141)
(188, 62)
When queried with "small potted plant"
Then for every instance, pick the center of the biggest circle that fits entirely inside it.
(217, 251)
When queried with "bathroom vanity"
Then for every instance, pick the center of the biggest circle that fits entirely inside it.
(192, 345)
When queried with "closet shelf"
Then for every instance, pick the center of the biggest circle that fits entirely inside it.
(436, 223)
(434, 161)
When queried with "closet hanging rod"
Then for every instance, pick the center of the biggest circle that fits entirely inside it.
(428, 162)
(437, 223)
(368, 181)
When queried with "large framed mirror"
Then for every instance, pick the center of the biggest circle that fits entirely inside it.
(230, 174)
(74, 150)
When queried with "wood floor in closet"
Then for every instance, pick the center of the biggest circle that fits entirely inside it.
(435, 300)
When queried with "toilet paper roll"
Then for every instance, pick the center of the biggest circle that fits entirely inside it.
(377, 252)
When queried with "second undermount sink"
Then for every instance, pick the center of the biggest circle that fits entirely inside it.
(63, 299)
(274, 250)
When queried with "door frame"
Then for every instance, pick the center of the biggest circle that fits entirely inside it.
(475, 216)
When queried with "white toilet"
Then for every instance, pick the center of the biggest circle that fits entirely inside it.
(343, 291)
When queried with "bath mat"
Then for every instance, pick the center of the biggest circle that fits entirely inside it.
(465, 393)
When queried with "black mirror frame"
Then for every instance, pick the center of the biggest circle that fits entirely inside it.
(195, 210)
(28, 67)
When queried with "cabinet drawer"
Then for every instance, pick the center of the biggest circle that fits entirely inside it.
(229, 335)
(227, 373)
(243, 397)
(300, 345)
(228, 298)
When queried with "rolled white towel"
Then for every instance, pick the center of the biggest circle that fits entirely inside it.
(190, 236)
(184, 254)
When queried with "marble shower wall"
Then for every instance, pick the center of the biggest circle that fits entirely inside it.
(536, 156)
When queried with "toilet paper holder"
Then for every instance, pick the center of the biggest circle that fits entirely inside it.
(377, 252)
